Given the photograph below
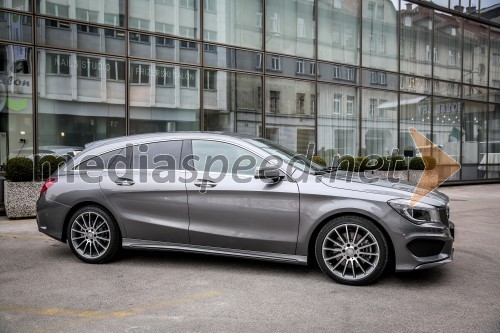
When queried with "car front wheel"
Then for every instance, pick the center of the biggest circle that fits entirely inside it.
(93, 235)
(351, 250)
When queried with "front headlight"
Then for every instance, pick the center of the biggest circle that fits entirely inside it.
(418, 214)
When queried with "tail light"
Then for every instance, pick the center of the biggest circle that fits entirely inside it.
(48, 183)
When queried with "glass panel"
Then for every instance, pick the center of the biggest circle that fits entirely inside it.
(338, 31)
(494, 70)
(219, 56)
(232, 102)
(163, 98)
(447, 125)
(380, 79)
(104, 12)
(290, 108)
(415, 35)
(474, 127)
(493, 141)
(495, 96)
(163, 17)
(338, 121)
(475, 53)
(475, 93)
(380, 42)
(87, 38)
(24, 5)
(81, 98)
(167, 49)
(234, 22)
(291, 67)
(15, 27)
(379, 127)
(446, 53)
(449, 89)
(16, 102)
(290, 27)
(415, 111)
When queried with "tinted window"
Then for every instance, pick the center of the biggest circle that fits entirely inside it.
(158, 155)
(220, 157)
(109, 160)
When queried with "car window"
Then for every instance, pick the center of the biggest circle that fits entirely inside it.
(221, 157)
(163, 155)
(107, 160)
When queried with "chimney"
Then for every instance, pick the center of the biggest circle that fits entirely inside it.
(408, 7)
(471, 10)
(459, 9)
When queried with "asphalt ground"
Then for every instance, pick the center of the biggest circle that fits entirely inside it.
(45, 288)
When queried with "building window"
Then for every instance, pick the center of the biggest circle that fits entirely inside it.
(350, 105)
(56, 9)
(451, 58)
(312, 68)
(276, 63)
(139, 23)
(209, 6)
(57, 24)
(337, 103)
(210, 80)
(165, 76)
(115, 70)
(259, 61)
(87, 28)
(349, 37)
(380, 11)
(382, 78)
(165, 2)
(209, 35)
(114, 33)
(188, 3)
(373, 107)
(275, 23)
(436, 56)
(427, 85)
(258, 20)
(495, 59)
(188, 45)
(337, 74)
(190, 33)
(349, 74)
(274, 97)
(377, 43)
(300, 66)
(428, 52)
(188, 78)
(167, 42)
(337, 34)
(259, 98)
(139, 38)
(313, 104)
(301, 27)
(299, 103)
(88, 67)
(373, 78)
(164, 28)
(57, 64)
(139, 73)
(375, 11)
(86, 15)
(337, 4)
(112, 19)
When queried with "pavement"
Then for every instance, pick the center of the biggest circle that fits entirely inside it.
(45, 288)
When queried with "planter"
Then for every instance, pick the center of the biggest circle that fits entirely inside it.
(20, 198)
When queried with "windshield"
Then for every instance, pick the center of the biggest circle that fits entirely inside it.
(286, 155)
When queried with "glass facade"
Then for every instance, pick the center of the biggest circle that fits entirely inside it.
(350, 76)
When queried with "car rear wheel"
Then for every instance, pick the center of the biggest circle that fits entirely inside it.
(351, 250)
(93, 235)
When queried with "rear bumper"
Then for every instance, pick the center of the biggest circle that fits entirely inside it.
(50, 218)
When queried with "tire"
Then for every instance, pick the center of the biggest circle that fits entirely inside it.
(93, 235)
(357, 260)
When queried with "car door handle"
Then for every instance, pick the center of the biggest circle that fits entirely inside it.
(124, 182)
(205, 183)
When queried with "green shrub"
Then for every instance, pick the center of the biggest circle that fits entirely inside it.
(420, 163)
(48, 165)
(397, 163)
(319, 160)
(346, 162)
(19, 169)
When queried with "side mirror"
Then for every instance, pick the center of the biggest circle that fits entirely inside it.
(269, 174)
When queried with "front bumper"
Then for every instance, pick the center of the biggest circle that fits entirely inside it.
(419, 247)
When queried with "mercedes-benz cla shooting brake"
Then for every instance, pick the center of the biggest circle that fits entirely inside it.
(239, 196)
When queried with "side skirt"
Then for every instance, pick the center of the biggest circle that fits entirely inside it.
(128, 243)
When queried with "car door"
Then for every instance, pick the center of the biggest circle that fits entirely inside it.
(149, 197)
(230, 209)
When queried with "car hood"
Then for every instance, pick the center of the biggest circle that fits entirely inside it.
(400, 189)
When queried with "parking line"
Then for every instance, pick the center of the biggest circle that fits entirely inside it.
(6, 235)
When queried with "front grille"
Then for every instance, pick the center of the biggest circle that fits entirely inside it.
(425, 247)
(443, 214)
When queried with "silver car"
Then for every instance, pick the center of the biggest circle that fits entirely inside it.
(232, 195)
